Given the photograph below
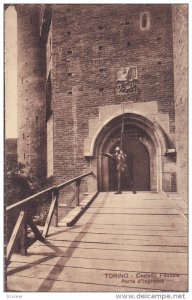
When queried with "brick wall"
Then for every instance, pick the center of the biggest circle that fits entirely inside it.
(31, 90)
(90, 44)
(180, 40)
(10, 151)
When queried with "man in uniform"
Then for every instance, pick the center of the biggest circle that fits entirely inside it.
(120, 158)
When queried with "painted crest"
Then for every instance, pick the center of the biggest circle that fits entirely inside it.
(127, 81)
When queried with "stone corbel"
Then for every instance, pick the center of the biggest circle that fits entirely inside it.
(170, 152)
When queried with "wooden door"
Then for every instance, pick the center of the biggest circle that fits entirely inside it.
(138, 163)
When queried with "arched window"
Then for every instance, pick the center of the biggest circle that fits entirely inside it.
(145, 21)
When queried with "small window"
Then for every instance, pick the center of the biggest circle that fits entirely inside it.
(145, 21)
(100, 47)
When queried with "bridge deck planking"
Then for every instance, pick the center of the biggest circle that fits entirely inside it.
(113, 264)
(105, 253)
(106, 239)
(126, 239)
(57, 286)
(95, 276)
(133, 231)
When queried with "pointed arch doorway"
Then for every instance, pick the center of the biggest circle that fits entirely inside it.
(138, 163)
(140, 146)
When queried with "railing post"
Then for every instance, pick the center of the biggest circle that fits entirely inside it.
(78, 182)
(23, 243)
(55, 194)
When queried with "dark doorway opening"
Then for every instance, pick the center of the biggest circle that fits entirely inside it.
(138, 162)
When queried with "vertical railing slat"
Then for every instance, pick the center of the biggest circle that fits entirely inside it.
(78, 182)
(23, 249)
(53, 210)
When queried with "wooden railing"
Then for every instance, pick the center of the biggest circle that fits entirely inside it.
(24, 219)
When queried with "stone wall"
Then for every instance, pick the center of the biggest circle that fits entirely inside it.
(92, 45)
(180, 42)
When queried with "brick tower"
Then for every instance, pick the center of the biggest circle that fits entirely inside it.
(81, 68)
(31, 90)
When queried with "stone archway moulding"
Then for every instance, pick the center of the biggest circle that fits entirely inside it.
(145, 113)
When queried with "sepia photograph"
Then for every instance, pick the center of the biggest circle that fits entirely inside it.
(96, 148)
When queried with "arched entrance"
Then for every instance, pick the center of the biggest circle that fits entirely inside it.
(143, 154)
(138, 163)
(146, 135)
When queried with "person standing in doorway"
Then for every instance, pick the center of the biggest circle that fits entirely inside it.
(122, 170)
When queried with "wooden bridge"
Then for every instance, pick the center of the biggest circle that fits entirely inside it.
(128, 242)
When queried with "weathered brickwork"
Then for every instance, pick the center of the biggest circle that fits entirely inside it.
(31, 90)
(90, 44)
(180, 34)
(89, 47)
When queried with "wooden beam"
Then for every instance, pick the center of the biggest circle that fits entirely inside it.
(56, 211)
(34, 228)
(15, 235)
(78, 182)
(23, 249)
(52, 209)
(73, 180)
(29, 199)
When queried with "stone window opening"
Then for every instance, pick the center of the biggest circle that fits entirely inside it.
(145, 21)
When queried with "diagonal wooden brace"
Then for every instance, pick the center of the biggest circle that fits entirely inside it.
(34, 228)
(16, 234)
